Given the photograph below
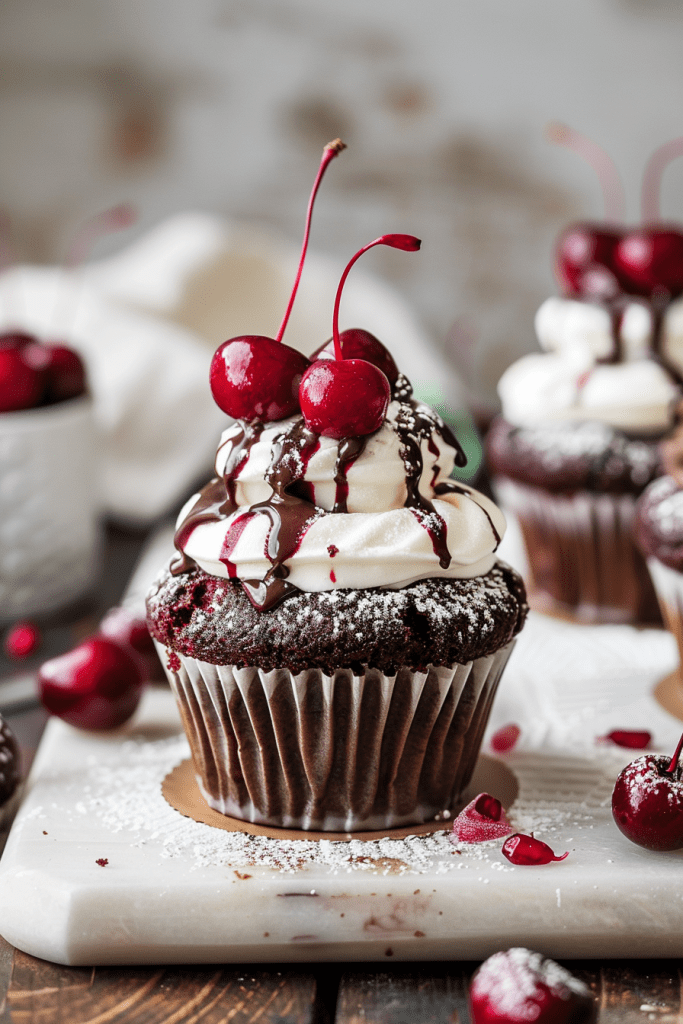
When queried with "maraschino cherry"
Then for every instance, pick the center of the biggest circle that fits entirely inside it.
(518, 986)
(97, 685)
(359, 344)
(344, 397)
(253, 377)
(523, 849)
(647, 802)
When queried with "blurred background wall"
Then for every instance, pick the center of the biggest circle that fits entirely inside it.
(224, 105)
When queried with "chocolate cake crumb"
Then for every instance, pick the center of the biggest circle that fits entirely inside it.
(433, 621)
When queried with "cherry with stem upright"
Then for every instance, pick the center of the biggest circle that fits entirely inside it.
(647, 802)
(348, 397)
(254, 377)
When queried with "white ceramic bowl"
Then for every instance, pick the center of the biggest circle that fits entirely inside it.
(49, 505)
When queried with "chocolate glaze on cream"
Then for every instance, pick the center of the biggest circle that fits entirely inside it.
(290, 508)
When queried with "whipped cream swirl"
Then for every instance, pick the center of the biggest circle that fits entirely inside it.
(621, 365)
(292, 510)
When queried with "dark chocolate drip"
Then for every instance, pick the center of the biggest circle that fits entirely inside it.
(412, 424)
(240, 446)
(657, 306)
(350, 448)
(450, 487)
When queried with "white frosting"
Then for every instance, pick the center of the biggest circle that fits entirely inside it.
(377, 543)
(568, 381)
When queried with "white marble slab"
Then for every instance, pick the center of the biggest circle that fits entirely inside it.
(174, 890)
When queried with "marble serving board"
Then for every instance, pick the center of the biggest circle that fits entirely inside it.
(99, 869)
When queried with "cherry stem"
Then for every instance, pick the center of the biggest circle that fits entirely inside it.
(652, 178)
(115, 219)
(674, 760)
(331, 150)
(610, 181)
(409, 243)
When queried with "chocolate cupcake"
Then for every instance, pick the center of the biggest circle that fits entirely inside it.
(337, 624)
(659, 532)
(10, 770)
(577, 443)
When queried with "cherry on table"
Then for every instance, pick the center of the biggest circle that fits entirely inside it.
(97, 685)
(647, 801)
(124, 626)
(527, 850)
(519, 986)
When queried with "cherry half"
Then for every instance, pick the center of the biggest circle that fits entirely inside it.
(518, 986)
(253, 377)
(97, 685)
(522, 849)
(647, 802)
(482, 820)
(344, 397)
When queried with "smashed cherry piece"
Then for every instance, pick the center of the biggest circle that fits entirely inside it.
(483, 819)
(632, 739)
(521, 849)
(22, 640)
(518, 986)
(647, 802)
(505, 738)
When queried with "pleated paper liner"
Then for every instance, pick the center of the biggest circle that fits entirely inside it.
(181, 791)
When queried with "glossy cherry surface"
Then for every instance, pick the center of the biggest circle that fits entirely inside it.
(522, 849)
(97, 685)
(344, 397)
(256, 378)
(585, 259)
(359, 344)
(124, 626)
(519, 986)
(647, 801)
(631, 739)
(650, 260)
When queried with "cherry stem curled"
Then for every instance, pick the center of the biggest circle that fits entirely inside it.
(652, 178)
(115, 219)
(331, 150)
(673, 764)
(409, 243)
(603, 165)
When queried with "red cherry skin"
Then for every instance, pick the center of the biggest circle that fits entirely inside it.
(124, 626)
(359, 344)
(65, 374)
(632, 739)
(22, 385)
(522, 849)
(584, 259)
(344, 397)
(22, 640)
(97, 685)
(257, 378)
(650, 260)
(518, 986)
(505, 738)
(647, 803)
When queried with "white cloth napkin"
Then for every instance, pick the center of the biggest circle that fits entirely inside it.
(148, 319)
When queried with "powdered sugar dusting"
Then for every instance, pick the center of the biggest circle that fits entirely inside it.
(512, 980)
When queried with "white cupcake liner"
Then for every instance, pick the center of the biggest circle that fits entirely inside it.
(582, 557)
(338, 752)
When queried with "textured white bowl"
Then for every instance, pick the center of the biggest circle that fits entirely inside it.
(49, 505)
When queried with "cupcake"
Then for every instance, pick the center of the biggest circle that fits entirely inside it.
(659, 532)
(336, 623)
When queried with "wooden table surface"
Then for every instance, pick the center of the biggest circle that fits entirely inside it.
(33, 991)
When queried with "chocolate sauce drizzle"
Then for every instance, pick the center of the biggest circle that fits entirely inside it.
(290, 509)
(657, 306)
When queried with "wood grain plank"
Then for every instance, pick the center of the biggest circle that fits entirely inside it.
(44, 993)
(645, 991)
(431, 994)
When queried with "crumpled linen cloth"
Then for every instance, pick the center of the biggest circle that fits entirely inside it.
(147, 320)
